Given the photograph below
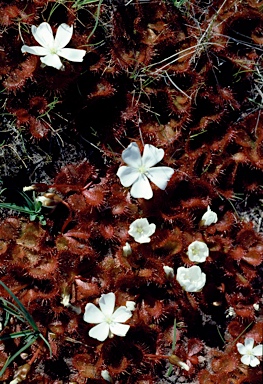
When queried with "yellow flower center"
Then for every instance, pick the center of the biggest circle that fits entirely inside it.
(53, 51)
(108, 319)
(139, 230)
(142, 169)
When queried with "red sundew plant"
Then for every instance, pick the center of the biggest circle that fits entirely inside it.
(136, 128)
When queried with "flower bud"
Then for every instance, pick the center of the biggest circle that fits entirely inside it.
(49, 200)
(208, 218)
(126, 250)
(169, 272)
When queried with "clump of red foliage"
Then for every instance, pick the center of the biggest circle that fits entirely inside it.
(182, 80)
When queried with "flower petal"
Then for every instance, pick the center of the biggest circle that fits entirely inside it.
(151, 229)
(130, 305)
(249, 343)
(63, 35)
(246, 359)
(107, 303)
(160, 176)
(100, 331)
(151, 155)
(35, 50)
(241, 348)
(254, 361)
(72, 54)
(142, 239)
(43, 35)
(142, 188)
(92, 314)
(119, 329)
(121, 315)
(52, 60)
(127, 175)
(258, 350)
(132, 156)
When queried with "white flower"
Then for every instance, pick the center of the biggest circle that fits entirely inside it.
(249, 352)
(209, 217)
(130, 305)
(108, 322)
(191, 279)
(51, 48)
(126, 250)
(139, 170)
(141, 230)
(169, 272)
(198, 251)
(106, 375)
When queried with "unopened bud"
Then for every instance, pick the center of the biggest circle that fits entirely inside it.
(169, 272)
(29, 188)
(173, 359)
(49, 200)
(21, 374)
(106, 376)
(126, 250)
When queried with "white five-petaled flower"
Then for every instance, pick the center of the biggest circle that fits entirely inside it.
(209, 217)
(140, 168)
(108, 321)
(191, 279)
(198, 251)
(51, 48)
(141, 230)
(249, 353)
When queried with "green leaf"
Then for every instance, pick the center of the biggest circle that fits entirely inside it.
(21, 308)
(33, 207)
(12, 358)
(20, 312)
(25, 333)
